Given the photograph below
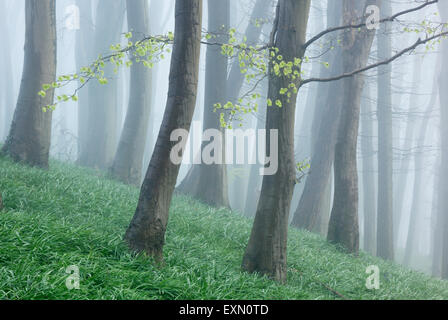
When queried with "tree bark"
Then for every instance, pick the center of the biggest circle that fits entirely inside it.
(146, 232)
(29, 138)
(128, 162)
(385, 239)
(266, 250)
(208, 182)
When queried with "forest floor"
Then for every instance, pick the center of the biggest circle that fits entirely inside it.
(73, 216)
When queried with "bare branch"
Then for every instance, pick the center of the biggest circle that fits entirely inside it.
(375, 65)
(363, 24)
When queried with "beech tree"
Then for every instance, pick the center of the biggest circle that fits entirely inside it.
(146, 232)
(83, 55)
(324, 131)
(368, 169)
(385, 239)
(128, 161)
(30, 134)
(343, 226)
(266, 250)
(197, 182)
(101, 144)
(443, 188)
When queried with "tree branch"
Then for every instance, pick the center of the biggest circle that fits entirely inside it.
(375, 65)
(361, 25)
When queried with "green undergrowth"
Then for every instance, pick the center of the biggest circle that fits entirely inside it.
(74, 216)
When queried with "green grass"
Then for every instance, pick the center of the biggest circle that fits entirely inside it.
(73, 216)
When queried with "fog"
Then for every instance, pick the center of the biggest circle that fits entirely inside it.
(415, 104)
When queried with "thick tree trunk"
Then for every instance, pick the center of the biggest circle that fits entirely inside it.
(266, 250)
(146, 232)
(128, 162)
(208, 182)
(324, 132)
(368, 175)
(102, 113)
(385, 239)
(30, 134)
(343, 227)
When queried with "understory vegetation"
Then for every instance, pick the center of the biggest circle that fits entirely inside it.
(74, 216)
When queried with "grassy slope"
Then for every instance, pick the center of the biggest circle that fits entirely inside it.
(72, 216)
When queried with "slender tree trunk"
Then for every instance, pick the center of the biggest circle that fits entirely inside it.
(102, 113)
(238, 180)
(30, 134)
(368, 175)
(128, 162)
(343, 227)
(7, 85)
(443, 189)
(84, 55)
(208, 182)
(417, 198)
(146, 232)
(385, 240)
(324, 132)
(403, 177)
(266, 250)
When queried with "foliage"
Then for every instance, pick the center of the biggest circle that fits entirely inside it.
(72, 216)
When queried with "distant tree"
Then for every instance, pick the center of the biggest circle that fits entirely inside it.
(324, 131)
(419, 177)
(343, 227)
(30, 134)
(443, 188)
(101, 144)
(84, 53)
(146, 232)
(7, 86)
(128, 161)
(385, 239)
(208, 182)
(368, 172)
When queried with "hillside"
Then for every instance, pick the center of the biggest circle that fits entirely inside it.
(73, 216)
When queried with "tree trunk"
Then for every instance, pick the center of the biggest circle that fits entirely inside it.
(146, 232)
(84, 55)
(208, 182)
(30, 134)
(128, 162)
(385, 240)
(324, 132)
(102, 113)
(417, 198)
(7, 84)
(368, 175)
(443, 189)
(266, 250)
(343, 227)
(403, 176)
